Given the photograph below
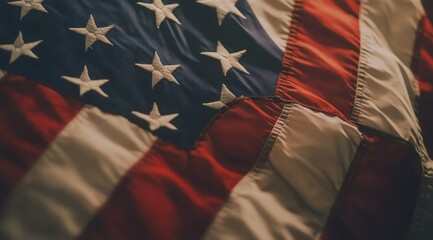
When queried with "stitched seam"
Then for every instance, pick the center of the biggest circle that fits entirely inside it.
(276, 131)
(275, 100)
(289, 53)
(350, 177)
(256, 169)
(362, 69)
(425, 194)
(263, 157)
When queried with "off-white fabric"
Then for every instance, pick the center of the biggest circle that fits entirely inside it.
(387, 89)
(395, 23)
(290, 194)
(275, 17)
(74, 177)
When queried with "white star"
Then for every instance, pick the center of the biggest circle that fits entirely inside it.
(228, 60)
(156, 120)
(86, 84)
(93, 33)
(2, 74)
(20, 48)
(223, 7)
(159, 71)
(225, 97)
(27, 5)
(161, 11)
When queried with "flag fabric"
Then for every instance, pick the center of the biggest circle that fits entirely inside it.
(216, 119)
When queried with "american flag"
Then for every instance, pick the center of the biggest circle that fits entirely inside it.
(216, 119)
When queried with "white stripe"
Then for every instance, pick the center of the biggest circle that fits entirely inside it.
(275, 17)
(387, 90)
(291, 195)
(74, 177)
(394, 23)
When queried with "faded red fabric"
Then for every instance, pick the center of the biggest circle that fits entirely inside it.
(31, 117)
(174, 194)
(321, 59)
(379, 196)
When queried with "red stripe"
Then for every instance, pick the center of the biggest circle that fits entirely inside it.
(321, 59)
(173, 193)
(378, 198)
(422, 66)
(31, 117)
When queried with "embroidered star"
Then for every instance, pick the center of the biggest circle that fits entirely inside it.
(161, 11)
(93, 33)
(86, 84)
(2, 74)
(27, 5)
(19, 47)
(156, 120)
(225, 97)
(223, 7)
(228, 60)
(159, 71)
